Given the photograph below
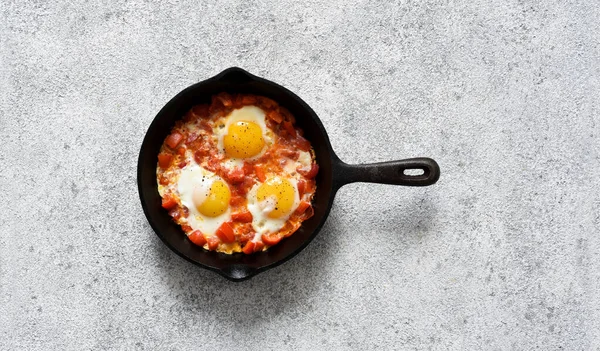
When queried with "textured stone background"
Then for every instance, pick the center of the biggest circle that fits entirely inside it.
(503, 253)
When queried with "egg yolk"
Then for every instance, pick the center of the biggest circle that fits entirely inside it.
(244, 139)
(213, 202)
(281, 191)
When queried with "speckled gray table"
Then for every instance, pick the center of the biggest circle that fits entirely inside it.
(503, 253)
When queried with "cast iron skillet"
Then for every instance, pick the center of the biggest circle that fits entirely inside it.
(333, 173)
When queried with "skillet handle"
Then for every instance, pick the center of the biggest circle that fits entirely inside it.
(392, 172)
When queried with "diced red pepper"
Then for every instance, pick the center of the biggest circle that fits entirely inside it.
(248, 168)
(225, 233)
(197, 238)
(201, 110)
(204, 125)
(301, 187)
(248, 99)
(246, 233)
(249, 248)
(245, 186)
(175, 213)
(302, 207)
(164, 160)
(267, 103)
(173, 140)
(168, 202)
(289, 154)
(236, 200)
(242, 217)
(236, 175)
(186, 228)
(225, 99)
(287, 125)
(310, 211)
(258, 246)
(275, 116)
(213, 242)
(163, 180)
(191, 138)
(260, 173)
(271, 239)
(311, 172)
(302, 143)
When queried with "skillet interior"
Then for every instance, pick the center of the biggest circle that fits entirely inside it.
(237, 266)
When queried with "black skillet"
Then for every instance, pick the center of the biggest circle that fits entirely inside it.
(333, 173)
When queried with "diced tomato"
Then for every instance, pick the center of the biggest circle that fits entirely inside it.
(235, 176)
(201, 110)
(248, 168)
(242, 217)
(260, 173)
(191, 138)
(246, 185)
(225, 233)
(175, 213)
(248, 99)
(186, 228)
(267, 103)
(289, 154)
(271, 239)
(310, 211)
(181, 151)
(287, 125)
(249, 248)
(189, 116)
(258, 246)
(163, 180)
(168, 202)
(286, 114)
(245, 234)
(302, 143)
(213, 242)
(203, 124)
(164, 159)
(275, 116)
(302, 207)
(213, 165)
(182, 164)
(311, 172)
(225, 99)
(173, 140)
(236, 200)
(197, 238)
(200, 154)
(289, 228)
(301, 187)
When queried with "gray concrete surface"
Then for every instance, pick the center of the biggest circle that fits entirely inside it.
(502, 254)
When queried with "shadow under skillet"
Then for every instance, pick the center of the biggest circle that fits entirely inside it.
(287, 288)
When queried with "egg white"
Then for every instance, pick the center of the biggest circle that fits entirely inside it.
(194, 176)
(261, 222)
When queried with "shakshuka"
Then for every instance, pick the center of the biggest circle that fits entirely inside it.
(237, 175)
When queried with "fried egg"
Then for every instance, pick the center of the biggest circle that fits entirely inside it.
(272, 202)
(243, 134)
(206, 196)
